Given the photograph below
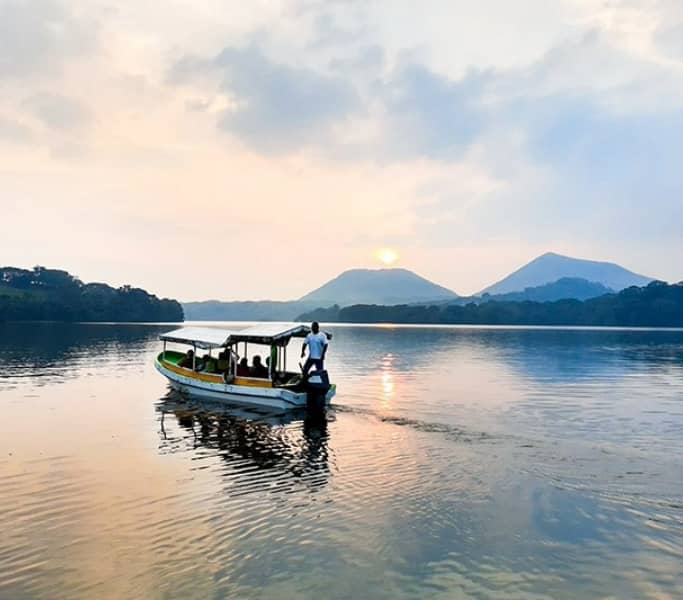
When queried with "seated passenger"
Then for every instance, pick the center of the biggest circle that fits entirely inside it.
(223, 364)
(243, 368)
(258, 369)
(209, 365)
(187, 360)
(199, 362)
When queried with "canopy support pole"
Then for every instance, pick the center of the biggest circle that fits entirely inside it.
(163, 355)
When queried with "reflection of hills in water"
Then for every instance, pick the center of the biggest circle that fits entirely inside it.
(545, 355)
(290, 449)
(53, 350)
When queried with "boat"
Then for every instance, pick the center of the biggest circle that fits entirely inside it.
(279, 389)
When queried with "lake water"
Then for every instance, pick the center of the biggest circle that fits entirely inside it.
(455, 463)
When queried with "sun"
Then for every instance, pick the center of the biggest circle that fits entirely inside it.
(387, 256)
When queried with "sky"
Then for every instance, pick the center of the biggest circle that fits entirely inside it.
(250, 150)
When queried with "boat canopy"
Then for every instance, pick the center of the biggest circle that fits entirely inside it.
(274, 334)
(202, 337)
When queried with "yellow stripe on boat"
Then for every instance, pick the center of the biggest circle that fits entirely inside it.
(213, 378)
(264, 383)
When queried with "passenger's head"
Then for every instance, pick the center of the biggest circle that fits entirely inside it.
(244, 362)
(315, 327)
(190, 353)
(257, 360)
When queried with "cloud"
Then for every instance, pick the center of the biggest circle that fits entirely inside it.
(359, 105)
(613, 175)
(580, 175)
(670, 40)
(39, 35)
(328, 32)
(276, 107)
(278, 104)
(603, 142)
(14, 131)
(368, 61)
(279, 108)
(58, 112)
(429, 115)
(582, 147)
(46, 46)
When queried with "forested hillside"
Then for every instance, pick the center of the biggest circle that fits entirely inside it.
(44, 294)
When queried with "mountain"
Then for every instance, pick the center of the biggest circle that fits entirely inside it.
(562, 289)
(377, 286)
(357, 286)
(550, 267)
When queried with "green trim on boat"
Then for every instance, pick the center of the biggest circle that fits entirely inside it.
(172, 357)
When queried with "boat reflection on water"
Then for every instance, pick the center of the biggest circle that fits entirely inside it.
(291, 445)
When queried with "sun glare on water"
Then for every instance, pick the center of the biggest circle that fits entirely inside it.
(386, 256)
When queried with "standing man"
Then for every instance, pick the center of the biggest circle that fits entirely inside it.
(317, 348)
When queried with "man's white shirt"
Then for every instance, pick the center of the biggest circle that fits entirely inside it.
(316, 342)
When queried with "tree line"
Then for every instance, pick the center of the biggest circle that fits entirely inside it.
(655, 305)
(44, 294)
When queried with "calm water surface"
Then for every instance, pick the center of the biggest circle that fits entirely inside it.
(457, 463)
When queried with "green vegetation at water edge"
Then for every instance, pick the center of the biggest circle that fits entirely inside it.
(44, 294)
(655, 305)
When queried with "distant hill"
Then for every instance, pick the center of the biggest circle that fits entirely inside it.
(565, 288)
(257, 310)
(44, 294)
(377, 286)
(551, 267)
(655, 305)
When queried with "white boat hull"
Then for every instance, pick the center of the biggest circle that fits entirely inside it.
(275, 398)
